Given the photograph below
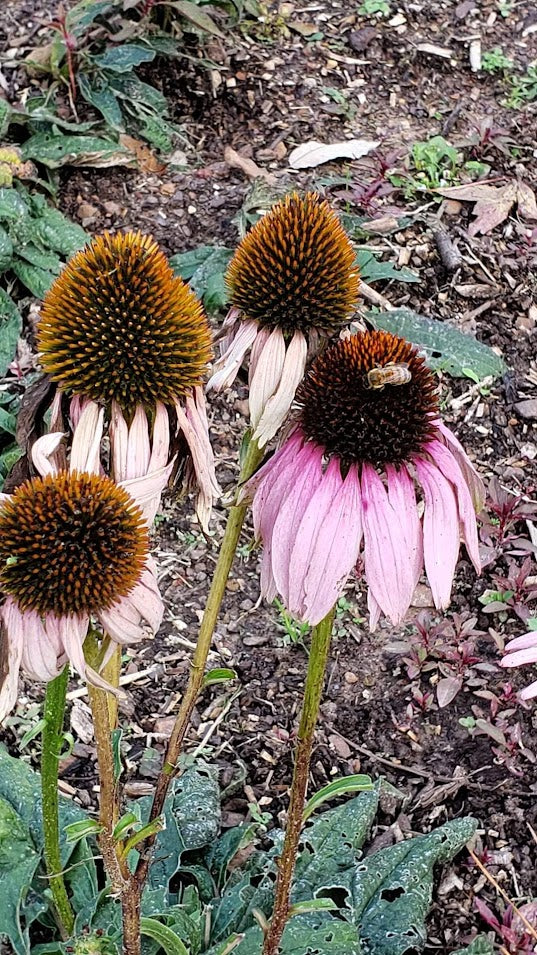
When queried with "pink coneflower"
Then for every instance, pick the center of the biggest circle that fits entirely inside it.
(73, 548)
(343, 485)
(519, 652)
(118, 328)
(292, 281)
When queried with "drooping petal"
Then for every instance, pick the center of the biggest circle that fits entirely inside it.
(474, 482)
(388, 568)
(122, 622)
(440, 531)
(146, 599)
(446, 461)
(374, 611)
(139, 449)
(73, 631)
(522, 642)
(41, 649)
(11, 649)
(226, 367)
(263, 336)
(118, 431)
(518, 658)
(265, 372)
(402, 497)
(202, 459)
(160, 441)
(529, 692)
(289, 543)
(335, 550)
(56, 417)
(277, 407)
(269, 471)
(146, 491)
(43, 452)
(87, 436)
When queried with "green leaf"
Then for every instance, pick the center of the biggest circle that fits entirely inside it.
(48, 261)
(10, 329)
(6, 250)
(129, 87)
(18, 863)
(313, 934)
(5, 116)
(392, 889)
(84, 13)
(37, 280)
(219, 676)
(124, 824)
(57, 232)
(338, 787)
(122, 59)
(80, 830)
(97, 92)
(190, 11)
(117, 736)
(480, 946)
(167, 939)
(204, 268)
(371, 270)
(34, 731)
(12, 206)
(157, 132)
(55, 149)
(445, 347)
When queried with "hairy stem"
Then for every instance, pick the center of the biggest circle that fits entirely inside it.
(224, 563)
(108, 786)
(131, 914)
(52, 738)
(320, 646)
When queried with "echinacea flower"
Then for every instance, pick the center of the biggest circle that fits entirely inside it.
(292, 281)
(73, 548)
(118, 328)
(519, 652)
(344, 484)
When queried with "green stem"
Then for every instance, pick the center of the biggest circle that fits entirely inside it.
(52, 737)
(237, 513)
(320, 646)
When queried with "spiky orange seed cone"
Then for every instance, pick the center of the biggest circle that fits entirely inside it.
(341, 412)
(117, 324)
(70, 543)
(296, 268)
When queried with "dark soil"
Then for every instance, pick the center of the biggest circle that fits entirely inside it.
(271, 96)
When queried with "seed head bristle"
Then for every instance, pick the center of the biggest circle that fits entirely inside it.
(340, 411)
(70, 543)
(118, 324)
(296, 268)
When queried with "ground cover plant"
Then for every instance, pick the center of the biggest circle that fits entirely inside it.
(181, 836)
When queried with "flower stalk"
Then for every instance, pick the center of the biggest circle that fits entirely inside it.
(52, 738)
(318, 657)
(252, 459)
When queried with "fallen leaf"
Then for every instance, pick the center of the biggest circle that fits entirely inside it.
(247, 166)
(304, 29)
(314, 153)
(493, 204)
(447, 690)
(145, 157)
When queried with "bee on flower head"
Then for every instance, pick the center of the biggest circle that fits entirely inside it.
(394, 373)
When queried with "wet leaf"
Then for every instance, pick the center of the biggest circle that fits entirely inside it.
(10, 329)
(446, 348)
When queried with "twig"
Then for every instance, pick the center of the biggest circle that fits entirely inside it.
(201, 746)
(382, 759)
(375, 297)
(503, 894)
(449, 253)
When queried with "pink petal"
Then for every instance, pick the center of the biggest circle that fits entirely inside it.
(122, 622)
(335, 550)
(73, 631)
(447, 463)
(86, 444)
(374, 611)
(56, 416)
(226, 367)
(278, 405)
(529, 692)
(402, 497)
(43, 452)
(147, 601)
(139, 449)
(119, 442)
(41, 649)
(257, 350)
(265, 372)
(160, 444)
(518, 658)
(523, 642)
(389, 570)
(303, 478)
(440, 531)
(474, 482)
(11, 648)
(146, 491)
(268, 472)
(202, 461)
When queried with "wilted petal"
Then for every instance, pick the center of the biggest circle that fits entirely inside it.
(268, 472)
(474, 482)
(440, 531)
(529, 692)
(41, 648)
(43, 452)
(202, 460)
(11, 648)
(122, 622)
(139, 451)
(523, 642)
(374, 611)
(446, 461)
(147, 601)
(278, 405)
(402, 497)
(226, 367)
(262, 338)
(73, 631)
(335, 550)
(160, 442)
(119, 442)
(265, 371)
(56, 416)
(388, 568)
(87, 436)
(146, 491)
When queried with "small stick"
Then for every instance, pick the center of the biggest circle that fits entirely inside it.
(503, 894)
(375, 297)
(449, 253)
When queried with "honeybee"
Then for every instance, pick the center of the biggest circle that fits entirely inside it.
(394, 373)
